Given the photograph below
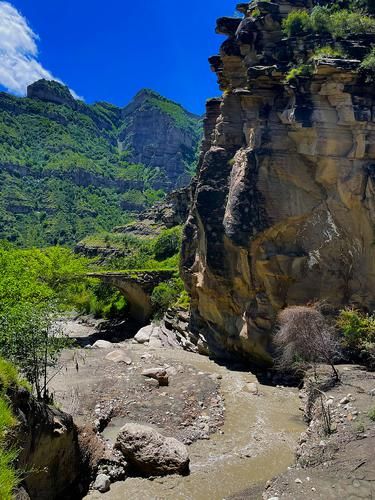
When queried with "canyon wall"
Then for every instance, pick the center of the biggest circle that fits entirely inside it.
(283, 205)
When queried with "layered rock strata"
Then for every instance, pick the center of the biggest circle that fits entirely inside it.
(283, 205)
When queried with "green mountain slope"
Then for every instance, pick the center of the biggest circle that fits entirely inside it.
(68, 169)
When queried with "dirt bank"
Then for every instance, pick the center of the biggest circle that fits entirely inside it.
(340, 464)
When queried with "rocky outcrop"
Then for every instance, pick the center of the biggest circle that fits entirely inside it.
(151, 453)
(49, 451)
(173, 333)
(170, 212)
(51, 91)
(283, 206)
(162, 135)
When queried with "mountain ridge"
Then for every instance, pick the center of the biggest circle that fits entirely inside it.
(64, 164)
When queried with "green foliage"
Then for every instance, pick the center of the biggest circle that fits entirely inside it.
(346, 23)
(7, 418)
(62, 174)
(304, 70)
(340, 23)
(168, 243)
(371, 414)
(327, 52)
(34, 286)
(99, 300)
(368, 65)
(166, 295)
(144, 253)
(31, 339)
(320, 19)
(297, 23)
(9, 376)
(183, 302)
(358, 328)
(9, 478)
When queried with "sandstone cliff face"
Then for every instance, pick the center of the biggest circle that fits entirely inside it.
(283, 205)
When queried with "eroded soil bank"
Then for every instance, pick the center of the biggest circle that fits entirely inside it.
(339, 464)
(241, 433)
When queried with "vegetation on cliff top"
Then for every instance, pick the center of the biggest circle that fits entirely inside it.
(335, 22)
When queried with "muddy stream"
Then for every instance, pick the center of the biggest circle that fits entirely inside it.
(255, 443)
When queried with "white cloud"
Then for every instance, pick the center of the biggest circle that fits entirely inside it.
(19, 65)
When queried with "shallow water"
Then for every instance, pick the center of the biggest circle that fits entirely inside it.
(257, 442)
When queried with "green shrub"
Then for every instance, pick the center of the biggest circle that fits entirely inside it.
(298, 22)
(368, 64)
(340, 23)
(345, 23)
(183, 301)
(371, 414)
(358, 328)
(327, 51)
(321, 20)
(304, 70)
(100, 300)
(166, 295)
(9, 478)
(168, 243)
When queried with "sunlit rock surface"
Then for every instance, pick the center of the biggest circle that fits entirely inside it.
(283, 205)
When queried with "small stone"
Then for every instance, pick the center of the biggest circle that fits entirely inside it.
(102, 344)
(298, 480)
(102, 483)
(252, 387)
(158, 374)
(146, 355)
(344, 400)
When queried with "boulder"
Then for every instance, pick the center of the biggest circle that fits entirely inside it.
(102, 344)
(157, 373)
(144, 334)
(118, 357)
(151, 453)
(102, 483)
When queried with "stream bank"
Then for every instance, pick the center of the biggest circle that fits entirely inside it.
(240, 433)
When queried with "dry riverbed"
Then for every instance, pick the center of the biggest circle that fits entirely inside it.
(240, 433)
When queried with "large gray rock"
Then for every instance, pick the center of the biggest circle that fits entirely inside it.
(151, 453)
(144, 334)
(102, 483)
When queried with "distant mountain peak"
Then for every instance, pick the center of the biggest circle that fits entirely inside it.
(51, 91)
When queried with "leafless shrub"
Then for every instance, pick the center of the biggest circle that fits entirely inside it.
(305, 339)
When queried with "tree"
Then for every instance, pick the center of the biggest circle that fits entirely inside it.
(31, 338)
(304, 337)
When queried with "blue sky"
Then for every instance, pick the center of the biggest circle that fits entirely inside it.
(109, 50)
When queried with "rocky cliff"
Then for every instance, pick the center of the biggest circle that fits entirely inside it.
(161, 134)
(283, 205)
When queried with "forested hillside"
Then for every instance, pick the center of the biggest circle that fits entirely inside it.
(65, 172)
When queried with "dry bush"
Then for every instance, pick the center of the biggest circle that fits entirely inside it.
(304, 337)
